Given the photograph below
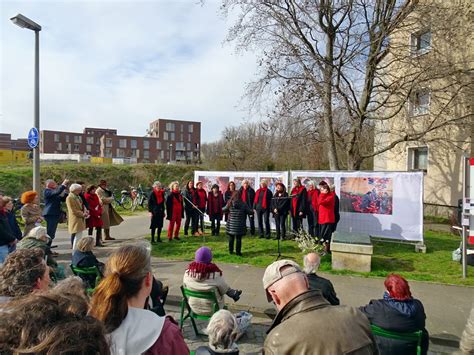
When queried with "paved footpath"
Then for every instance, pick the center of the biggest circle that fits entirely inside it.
(447, 307)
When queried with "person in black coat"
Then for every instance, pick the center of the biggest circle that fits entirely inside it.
(280, 207)
(7, 239)
(228, 195)
(12, 222)
(311, 265)
(156, 207)
(247, 194)
(262, 205)
(398, 311)
(83, 257)
(215, 203)
(190, 203)
(298, 205)
(236, 225)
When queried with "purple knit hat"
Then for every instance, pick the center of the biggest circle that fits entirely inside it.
(203, 255)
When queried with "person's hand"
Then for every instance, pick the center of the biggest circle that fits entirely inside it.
(301, 213)
(65, 182)
(151, 214)
(12, 243)
(275, 210)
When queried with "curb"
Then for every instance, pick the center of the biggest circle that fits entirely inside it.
(270, 314)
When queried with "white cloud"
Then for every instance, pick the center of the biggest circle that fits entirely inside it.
(121, 65)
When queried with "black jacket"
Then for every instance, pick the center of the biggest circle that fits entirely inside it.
(238, 211)
(325, 286)
(302, 199)
(153, 205)
(398, 316)
(85, 259)
(169, 205)
(6, 234)
(14, 227)
(190, 195)
(281, 203)
(258, 204)
(250, 195)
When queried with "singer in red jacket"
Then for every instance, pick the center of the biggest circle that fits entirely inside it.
(298, 205)
(326, 216)
(95, 213)
(312, 209)
(215, 203)
(262, 205)
(174, 210)
(201, 195)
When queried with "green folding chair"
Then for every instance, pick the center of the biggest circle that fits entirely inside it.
(207, 295)
(414, 337)
(85, 273)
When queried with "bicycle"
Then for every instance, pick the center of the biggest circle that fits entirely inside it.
(125, 200)
(139, 198)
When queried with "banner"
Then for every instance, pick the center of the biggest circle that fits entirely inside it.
(381, 204)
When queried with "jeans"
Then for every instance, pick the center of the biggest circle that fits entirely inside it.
(51, 225)
(3, 253)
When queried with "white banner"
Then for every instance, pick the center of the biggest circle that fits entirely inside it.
(381, 204)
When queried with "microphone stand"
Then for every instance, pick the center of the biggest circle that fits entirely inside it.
(200, 212)
(286, 222)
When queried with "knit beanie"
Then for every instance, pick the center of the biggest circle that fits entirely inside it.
(203, 255)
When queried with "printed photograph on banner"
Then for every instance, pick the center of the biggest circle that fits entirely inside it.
(208, 181)
(317, 179)
(366, 195)
(271, 182)
(239, 179)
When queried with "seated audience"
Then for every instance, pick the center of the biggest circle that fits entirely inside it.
(50, 323)
(12, 222)
(203, 275)
(24, 271)
(316, 282)
(37, 238)
(119, 302)
(71, 284)
(83, 257)
(398, 311)
(223, 331)
(306, 323)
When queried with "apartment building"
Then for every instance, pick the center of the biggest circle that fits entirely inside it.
(440, 55)
(167, 141)
(7, 143)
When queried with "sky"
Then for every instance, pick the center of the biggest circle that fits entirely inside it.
(121, 64)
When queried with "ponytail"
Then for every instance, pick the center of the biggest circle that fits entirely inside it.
(124, 276)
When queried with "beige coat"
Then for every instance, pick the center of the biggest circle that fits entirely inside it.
(30, 213)
(110, 217)
(75, 214)
(216, 284)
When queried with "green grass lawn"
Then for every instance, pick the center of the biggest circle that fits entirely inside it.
(434, 266)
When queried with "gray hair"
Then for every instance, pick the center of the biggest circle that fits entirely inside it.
(222, 330)
(156, 184)
(311, 266)
(75, 187)
(38, 232)
(311, 182)
(49, 181)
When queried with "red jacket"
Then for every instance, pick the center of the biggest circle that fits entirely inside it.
(326, 204)
(170, 341)
(313, 196)
(95, 211)
(202, 198)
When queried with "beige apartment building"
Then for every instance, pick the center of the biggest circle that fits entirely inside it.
(432, 67)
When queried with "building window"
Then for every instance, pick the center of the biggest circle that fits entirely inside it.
(421, 42)
(108, 142)
(108, 153)
(196, 146)
(165, 136)
(182, 128)
(77, 139)
(172, 136)
(123, 143)
(158, 144)
(90, 140)
(190, 137)
(67, 138)
(418, 158)
(76, 147)
(146, 154)
(162, 155)
(133, 144)
(146, 144)
(56, 137)
(420, 103)
(190, 128)
(88, 148)
(134, 153)
(180, 146)
(188, 146)
(59, 146)
(120, 153)
(170, 127)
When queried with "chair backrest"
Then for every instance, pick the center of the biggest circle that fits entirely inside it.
(207, 295)
(414, 337)
(87, 273)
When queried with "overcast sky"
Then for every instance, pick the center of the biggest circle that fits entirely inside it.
(121, 64)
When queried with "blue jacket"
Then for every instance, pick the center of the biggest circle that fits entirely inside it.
(52, 201)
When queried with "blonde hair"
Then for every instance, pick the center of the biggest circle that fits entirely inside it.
(174, 183)
(38, 232)
(85, 244)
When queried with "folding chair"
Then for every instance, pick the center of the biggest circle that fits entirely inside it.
(207, 295)
(414, 337)
(87, 274)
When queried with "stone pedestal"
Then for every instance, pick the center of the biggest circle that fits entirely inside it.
(351, 252)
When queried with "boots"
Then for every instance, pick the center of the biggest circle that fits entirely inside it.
(234, 294)
(107, 234)
(98, 238)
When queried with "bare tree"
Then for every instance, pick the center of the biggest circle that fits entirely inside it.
(346, 69)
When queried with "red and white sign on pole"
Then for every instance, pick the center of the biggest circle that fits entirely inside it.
(471, 201)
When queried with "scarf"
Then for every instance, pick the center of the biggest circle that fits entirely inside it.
(294, 201)
(215, 203)
(264, 200)
(202, 271)
(244, 194)
(159, 196)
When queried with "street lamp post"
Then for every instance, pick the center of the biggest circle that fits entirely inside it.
(171, 156)
(25, 22)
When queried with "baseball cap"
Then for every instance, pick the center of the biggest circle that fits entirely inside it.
(273, 273)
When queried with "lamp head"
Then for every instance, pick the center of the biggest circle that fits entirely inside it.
(25, 22)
